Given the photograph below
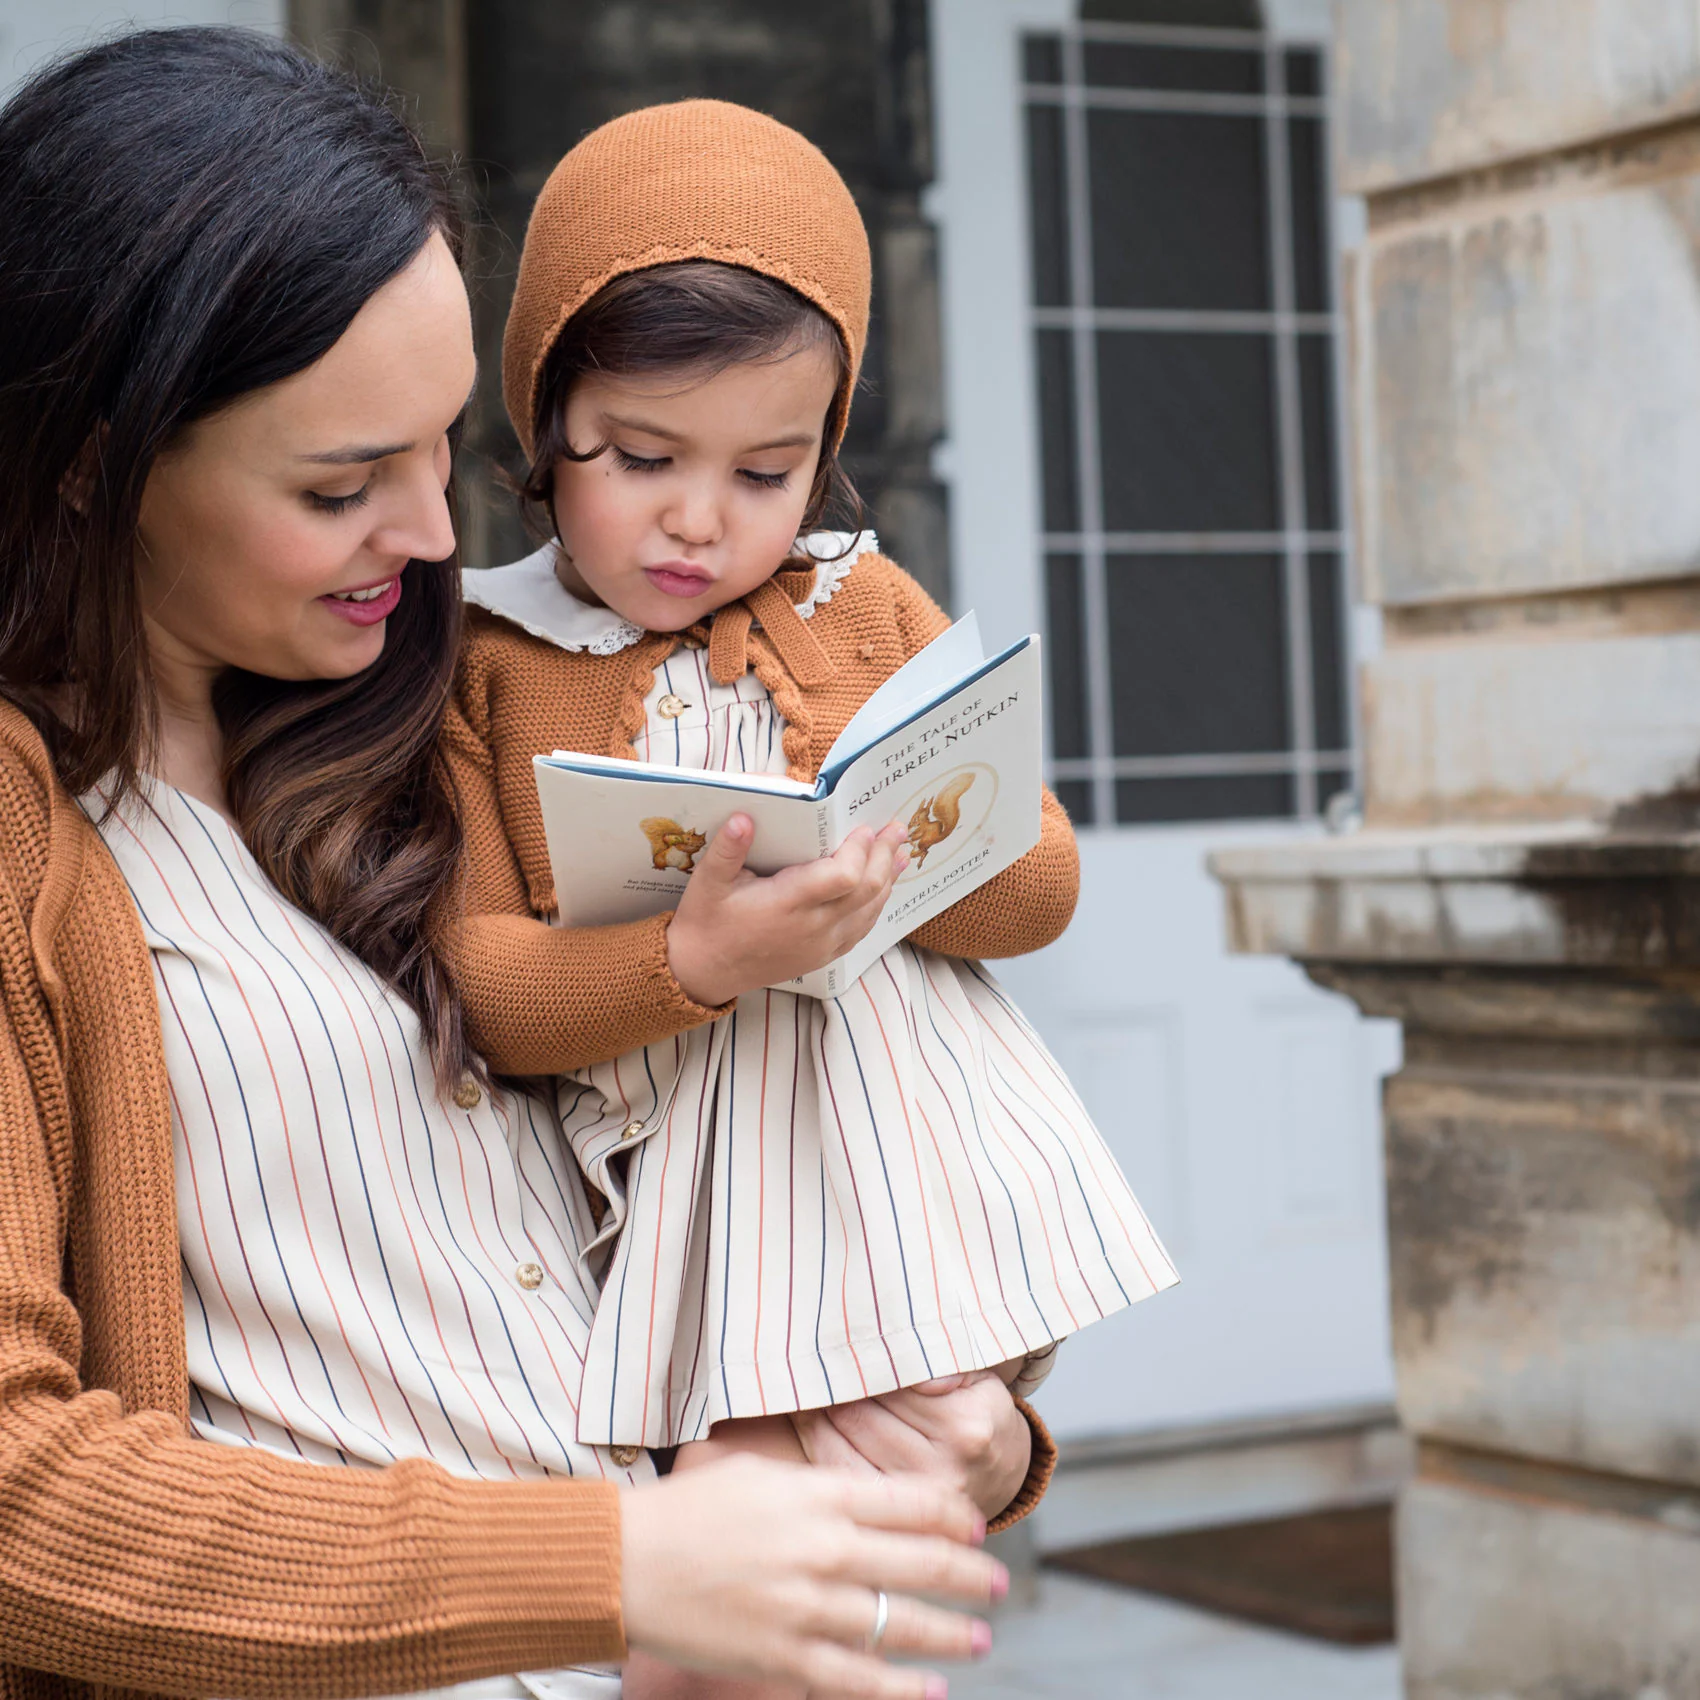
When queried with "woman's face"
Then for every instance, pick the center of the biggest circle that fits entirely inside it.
(275, 534)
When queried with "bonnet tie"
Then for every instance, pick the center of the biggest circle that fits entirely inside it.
(773, 602)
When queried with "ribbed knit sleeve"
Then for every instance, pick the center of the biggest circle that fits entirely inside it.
(132, 1554)
(1041, 1466)
(1028, 905)
(542, 999)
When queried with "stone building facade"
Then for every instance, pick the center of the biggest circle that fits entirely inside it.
(1525, 391)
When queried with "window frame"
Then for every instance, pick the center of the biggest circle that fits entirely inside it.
(1294, 542)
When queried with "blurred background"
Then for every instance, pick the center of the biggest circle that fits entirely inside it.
(1324, 382)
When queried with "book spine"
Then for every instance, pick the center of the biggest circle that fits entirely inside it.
(829, 830)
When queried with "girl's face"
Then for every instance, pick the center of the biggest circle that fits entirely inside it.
(275, 534)
(701, 490)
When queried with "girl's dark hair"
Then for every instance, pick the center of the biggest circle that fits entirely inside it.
(695, 318)
(188, 215)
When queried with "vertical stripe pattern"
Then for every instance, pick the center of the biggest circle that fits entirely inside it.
(812, 1201)
(369, 1273)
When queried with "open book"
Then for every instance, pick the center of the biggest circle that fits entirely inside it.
(950, 745)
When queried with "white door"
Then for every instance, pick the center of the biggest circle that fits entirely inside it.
(1138, 348)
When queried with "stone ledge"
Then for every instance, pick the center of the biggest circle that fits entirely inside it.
(1505, 1594)
(1565, 895)
(1454, 1004)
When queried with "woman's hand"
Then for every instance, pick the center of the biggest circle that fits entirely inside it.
(735, 930)
(963, 1430)
(766, 1570)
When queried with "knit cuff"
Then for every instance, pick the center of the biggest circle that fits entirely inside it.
(537, 1567)
(1040, 1467)
(659, 966)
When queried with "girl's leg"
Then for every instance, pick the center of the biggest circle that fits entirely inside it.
(646, 1678)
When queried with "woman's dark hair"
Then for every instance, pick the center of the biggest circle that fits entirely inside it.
(188, 215)
(695, 318)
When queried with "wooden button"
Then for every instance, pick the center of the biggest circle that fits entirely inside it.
(467, 1095)
(624, 1456)
(529, 1276)
(671, 707)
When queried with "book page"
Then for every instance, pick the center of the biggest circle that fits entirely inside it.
(621, 850)
(965, 779)
(950, 657)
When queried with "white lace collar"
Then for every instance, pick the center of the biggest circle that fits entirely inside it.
(528, 595)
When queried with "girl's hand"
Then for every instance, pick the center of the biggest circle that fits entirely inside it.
(962, 1430)
(735, 931)
(769, 1571)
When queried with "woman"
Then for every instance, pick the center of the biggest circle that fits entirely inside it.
(262, 1211)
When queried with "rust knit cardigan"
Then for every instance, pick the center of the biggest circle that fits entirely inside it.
(594, 993)
(133, 1556)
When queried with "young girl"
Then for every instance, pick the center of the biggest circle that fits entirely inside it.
(809, 1202)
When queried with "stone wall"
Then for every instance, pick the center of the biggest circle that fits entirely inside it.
(1525, 358)
(1525, 414)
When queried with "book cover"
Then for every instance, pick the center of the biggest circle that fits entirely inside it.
(951, 746)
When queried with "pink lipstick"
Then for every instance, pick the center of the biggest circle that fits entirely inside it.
(366, 604)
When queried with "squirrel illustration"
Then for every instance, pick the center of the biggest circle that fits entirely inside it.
(936, 817)
(670, 845)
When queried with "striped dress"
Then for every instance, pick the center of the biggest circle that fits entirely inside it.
(368, 1273)
(814, 1201)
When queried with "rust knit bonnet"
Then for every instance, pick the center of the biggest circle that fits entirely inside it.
(698, 180)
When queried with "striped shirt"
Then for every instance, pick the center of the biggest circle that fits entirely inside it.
(816, 1201)
(369, 1273)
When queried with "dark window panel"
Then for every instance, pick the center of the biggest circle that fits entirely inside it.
(1195, 14)
(1058, 458)
(1241, 796)
(1041, 58)
(1048, 206)
(1075, 795)
(1198, 654)
(1178, 210)
(1065, 655)
(1047, 201)
(1304, 71)
(1316, 414)
(1313, 262)
(1328, 652)
(1208, 70)
(1187, 431)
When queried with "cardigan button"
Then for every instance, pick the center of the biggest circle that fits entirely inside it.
(624, 1456)
(529, 1276)
(467, 1095)
(671, 707)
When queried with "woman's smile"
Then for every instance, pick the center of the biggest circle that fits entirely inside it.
(369, 604)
